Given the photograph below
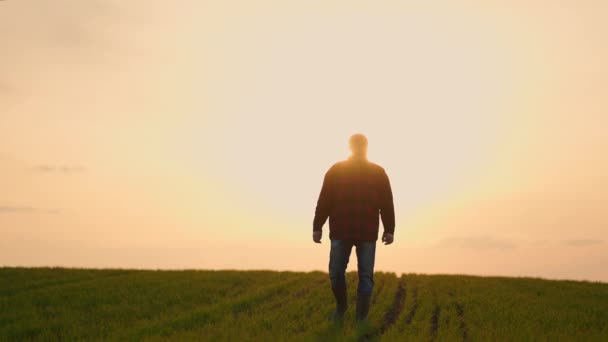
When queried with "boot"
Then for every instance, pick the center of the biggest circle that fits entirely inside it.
(340, 294)
(363, 302)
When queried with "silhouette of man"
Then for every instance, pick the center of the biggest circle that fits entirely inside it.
(354, 194)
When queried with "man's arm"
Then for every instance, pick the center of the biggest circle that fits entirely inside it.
(387, 210)
(323, 204)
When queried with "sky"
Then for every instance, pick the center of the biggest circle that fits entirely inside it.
(195, 134)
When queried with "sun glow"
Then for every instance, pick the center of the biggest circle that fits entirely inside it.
(203, 142)
(423, 97)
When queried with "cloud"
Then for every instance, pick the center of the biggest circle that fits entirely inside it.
(6, 90)
(18, 209)
(4, 87)
(581, 242)
(58, 168)
(477, 242)
(26, 209)
(65, 26)
(490, 242)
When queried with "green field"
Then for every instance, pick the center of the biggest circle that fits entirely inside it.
(80, 304)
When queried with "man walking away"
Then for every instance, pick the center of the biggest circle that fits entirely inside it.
(354, 194)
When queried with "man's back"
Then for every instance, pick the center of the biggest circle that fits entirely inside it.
(354, 193)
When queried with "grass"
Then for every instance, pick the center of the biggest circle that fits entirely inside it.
(51, 304)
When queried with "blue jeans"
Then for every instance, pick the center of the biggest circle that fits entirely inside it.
(338, 260)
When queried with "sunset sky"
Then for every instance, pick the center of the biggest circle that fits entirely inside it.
(195, 134)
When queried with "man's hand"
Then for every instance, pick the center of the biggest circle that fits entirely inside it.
(387, 238)
(316, 236)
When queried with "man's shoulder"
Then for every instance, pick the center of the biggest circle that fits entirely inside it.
(375, 167)
(348, 164)
(337, 166)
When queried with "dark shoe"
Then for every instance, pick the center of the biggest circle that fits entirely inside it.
(340, 295)
(337, 316)
(363, 306)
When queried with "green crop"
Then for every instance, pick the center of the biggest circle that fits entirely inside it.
(53, 304)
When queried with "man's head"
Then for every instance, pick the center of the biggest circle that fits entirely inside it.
(358, 146)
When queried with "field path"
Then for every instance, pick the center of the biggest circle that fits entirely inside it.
(435, 321)
(207, 315)
(377, 292)
(412, 312)
(53, 283)
(390, 317)
(462, 323)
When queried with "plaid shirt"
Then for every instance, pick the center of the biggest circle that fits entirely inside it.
(354, 194)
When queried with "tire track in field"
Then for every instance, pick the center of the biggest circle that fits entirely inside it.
(307, 289)
(210, 314)
(377, 292)
(435, 321)
(61, 283)
(410, 315)
(300, 293)
(390, 317)
(464, 330)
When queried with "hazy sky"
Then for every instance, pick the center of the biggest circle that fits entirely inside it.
(195, 134)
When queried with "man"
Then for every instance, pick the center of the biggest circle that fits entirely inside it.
(354, 193)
